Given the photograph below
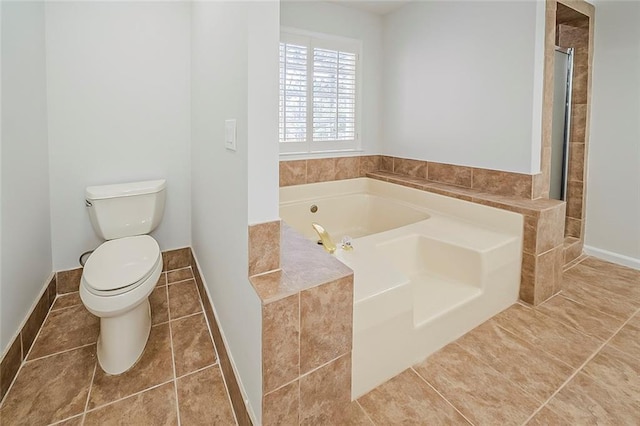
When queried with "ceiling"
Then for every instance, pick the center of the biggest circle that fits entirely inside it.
(378, 7)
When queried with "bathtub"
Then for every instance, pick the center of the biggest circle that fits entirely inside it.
(427, 268)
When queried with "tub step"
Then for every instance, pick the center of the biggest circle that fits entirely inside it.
(434, 296)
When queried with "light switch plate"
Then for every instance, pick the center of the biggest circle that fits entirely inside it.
(230, 134)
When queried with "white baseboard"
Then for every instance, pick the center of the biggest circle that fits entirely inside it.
(610, 256)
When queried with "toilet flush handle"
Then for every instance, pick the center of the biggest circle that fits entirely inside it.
(88, 203)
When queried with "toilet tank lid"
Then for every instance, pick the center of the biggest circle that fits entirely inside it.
(125, 189)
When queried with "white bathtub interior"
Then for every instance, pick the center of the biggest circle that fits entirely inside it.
(427, 268)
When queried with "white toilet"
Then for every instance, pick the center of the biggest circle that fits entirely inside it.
(120, 275)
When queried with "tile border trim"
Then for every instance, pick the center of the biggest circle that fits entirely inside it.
(17, 350)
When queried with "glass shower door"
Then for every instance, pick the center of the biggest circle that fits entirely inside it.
(563, 73)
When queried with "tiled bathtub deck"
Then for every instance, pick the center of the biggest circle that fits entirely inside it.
(178, 376)
(573, 360)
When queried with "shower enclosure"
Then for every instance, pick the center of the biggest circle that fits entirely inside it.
(563, 72)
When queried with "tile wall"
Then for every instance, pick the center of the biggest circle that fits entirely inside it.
(497, 182)
(307, 318)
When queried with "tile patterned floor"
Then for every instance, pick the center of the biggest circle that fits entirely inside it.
(573, 360)
(176, 381)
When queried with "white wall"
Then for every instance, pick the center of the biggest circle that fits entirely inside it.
(343, 21)
(26, 231)
(119, 110)
(262, 110)
(228, 38)
(459, 81)
(613, 180)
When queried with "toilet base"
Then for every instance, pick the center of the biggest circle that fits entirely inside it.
(123, 338)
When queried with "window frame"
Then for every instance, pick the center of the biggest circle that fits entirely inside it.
(324, 41)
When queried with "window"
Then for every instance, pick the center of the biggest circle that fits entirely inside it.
(319, 92)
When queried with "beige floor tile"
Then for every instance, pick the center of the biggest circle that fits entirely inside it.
(66, 329)
(581, 317)
(627, 339)
(153, 368)
(183, 299)
(407, 399)
(179, 275)
(536, 372)
(635, 321)
(615, 278)
(599, 298)
(354, 415)
(616, 369)
(192, 346)
(66, 301)
(159, 305)
(586, 401)
(623, 273)
(481, 394)
(202, 395)
(50, 389)
(155, 407)
(560, 340)
(548, 417)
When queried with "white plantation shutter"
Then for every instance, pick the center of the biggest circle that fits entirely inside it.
(334, 95)
(293, 93)
(318, 93)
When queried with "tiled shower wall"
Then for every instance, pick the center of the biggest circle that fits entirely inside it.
(578, 38)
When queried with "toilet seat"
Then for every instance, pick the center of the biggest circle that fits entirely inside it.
(121, 265)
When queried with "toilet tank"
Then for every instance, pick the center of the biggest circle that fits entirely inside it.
(126, 209)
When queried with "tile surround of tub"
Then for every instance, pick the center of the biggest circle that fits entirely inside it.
(298, 172)
(264, 247)
(307, 316)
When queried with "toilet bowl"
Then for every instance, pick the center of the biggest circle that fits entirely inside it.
(120, 275)
(116, 283)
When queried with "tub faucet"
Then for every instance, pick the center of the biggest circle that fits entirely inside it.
(327, 242)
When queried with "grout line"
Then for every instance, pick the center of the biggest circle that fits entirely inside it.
(183, 317)
(59, 422)
(60, 352)
(86, 405)
(441, 395)
(173, 365)
(128, 396)
(65, 308)
(365, 412)
(196, 371)
(549, 354)
(582, 303)
(579, 369)
(181, 281)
